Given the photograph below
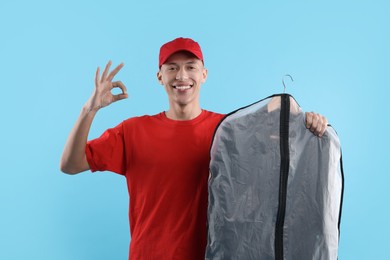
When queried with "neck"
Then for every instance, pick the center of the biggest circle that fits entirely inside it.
(183, 113)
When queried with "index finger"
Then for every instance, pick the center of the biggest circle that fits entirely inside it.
(309, 119)
(115, 71)
(119, 84)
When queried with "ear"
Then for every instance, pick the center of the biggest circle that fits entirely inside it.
(204, 74)
(159, 77)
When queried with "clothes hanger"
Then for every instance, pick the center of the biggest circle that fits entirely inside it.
(275, 101)
(284, 85)
(294, 107)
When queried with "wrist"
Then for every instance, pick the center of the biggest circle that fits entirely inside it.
(91, 107)
(89, 110)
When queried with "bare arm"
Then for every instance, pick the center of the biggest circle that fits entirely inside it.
(73, 158)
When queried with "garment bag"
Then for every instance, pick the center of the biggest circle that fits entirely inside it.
(275, 189)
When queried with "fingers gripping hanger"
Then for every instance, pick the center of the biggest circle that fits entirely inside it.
(284, 85)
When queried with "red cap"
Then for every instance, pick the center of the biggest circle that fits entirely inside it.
(179, 44)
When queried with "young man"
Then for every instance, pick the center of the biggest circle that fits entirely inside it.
(164, 157)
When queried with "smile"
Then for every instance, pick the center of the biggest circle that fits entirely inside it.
(182, 87)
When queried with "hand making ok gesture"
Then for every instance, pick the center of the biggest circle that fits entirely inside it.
(102, 95)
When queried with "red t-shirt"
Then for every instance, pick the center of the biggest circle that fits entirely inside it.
(166, 164)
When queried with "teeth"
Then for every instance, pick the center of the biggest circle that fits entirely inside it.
(182, 87)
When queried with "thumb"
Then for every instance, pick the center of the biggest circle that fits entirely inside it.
(120, 96)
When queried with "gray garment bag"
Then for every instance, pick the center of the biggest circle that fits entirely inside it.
(275, 189)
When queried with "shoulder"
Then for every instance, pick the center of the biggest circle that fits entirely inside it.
(213, 118)
(213, 115)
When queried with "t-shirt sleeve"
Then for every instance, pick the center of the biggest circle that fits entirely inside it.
(107, 153)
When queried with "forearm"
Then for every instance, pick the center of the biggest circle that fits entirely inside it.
(73, 158)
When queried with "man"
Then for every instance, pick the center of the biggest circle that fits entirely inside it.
(164, 157)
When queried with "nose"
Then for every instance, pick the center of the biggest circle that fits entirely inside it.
(181, 74)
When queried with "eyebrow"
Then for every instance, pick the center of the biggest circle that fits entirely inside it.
(174, 63)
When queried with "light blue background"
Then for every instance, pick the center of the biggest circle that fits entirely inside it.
(337, 52)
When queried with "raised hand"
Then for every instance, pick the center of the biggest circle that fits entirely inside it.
(73, 158)
(102, 95)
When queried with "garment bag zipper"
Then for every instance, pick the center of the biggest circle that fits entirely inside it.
(284, 168)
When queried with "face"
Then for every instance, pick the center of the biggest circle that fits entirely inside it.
(182, 75)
